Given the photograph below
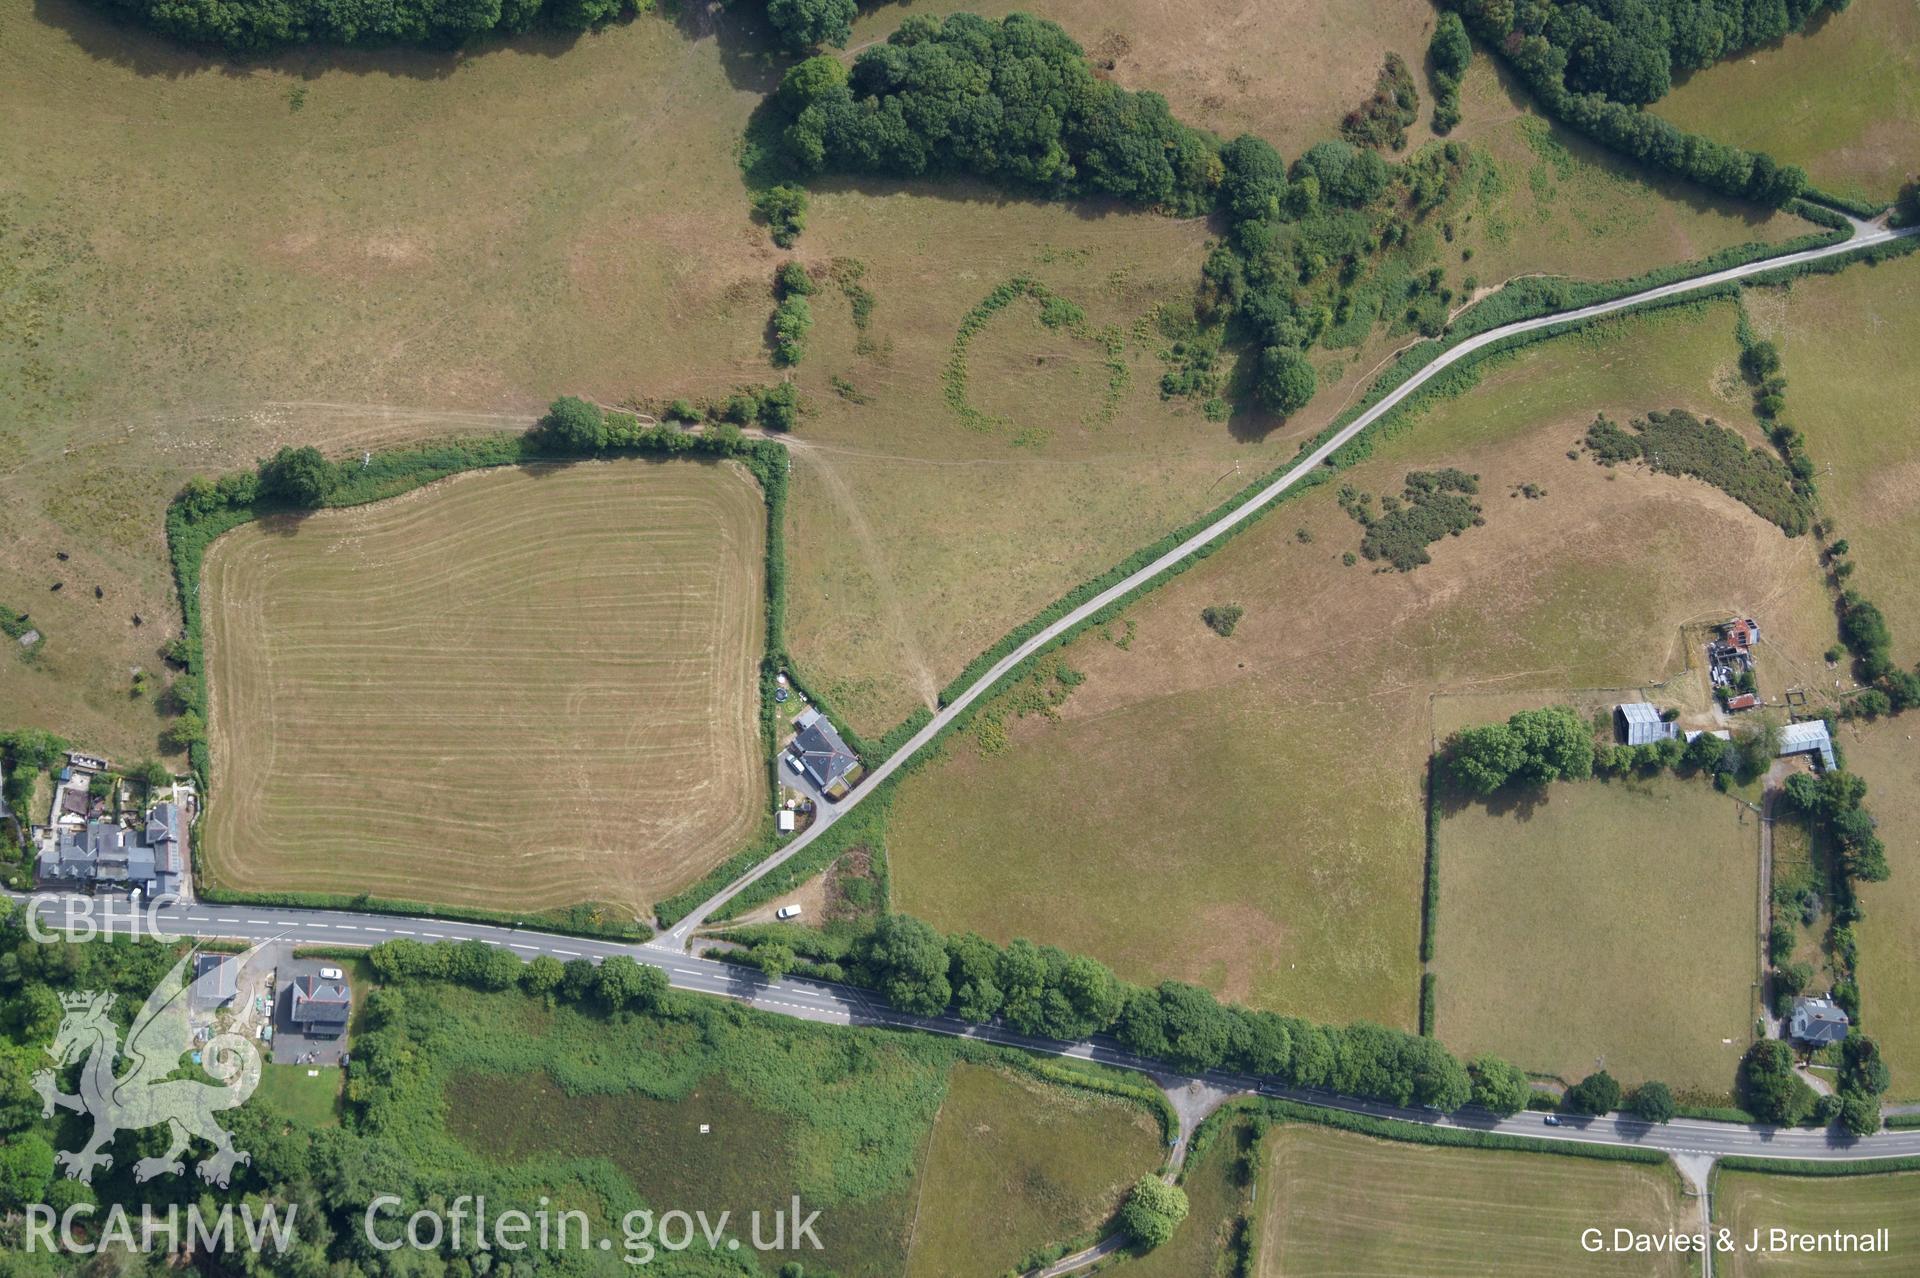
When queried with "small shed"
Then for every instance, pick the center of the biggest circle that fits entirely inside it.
(1745, 701)
(1640, 723)
(785, 821)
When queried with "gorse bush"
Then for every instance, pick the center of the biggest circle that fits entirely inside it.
(1382, 120)
(1678, 443)
(1436, 504)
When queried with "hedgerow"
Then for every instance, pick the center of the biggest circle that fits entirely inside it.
(206, 508)
(1594, 64)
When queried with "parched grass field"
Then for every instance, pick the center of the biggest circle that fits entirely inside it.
(517, 689)
(1846, 345)
(1268, 786)
(395, 244)
(1607, 924)
(1889, 962)
(1745, 1201)
(1783, 100)
(1340, 1205)
(1014, 1164)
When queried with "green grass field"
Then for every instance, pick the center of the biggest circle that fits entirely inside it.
(1217, 1203)
(1746, 1201)
(1014, 1165)
(1246, 812)
(1889, 963)
(1845, 341)
(1842, 101)
(307, 1101)
(1609, 924)
(1339, 1205)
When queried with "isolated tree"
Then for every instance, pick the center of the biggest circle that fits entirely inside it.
(1498, 1086)
(1286, 381)
(542, 976)
(1153, 1210)
(1860, 1113)
(1597, 1093)
(806, 24)
(298, 476)
(784, 207)
(1555, 743)
(622, 984)
(773, 959)
(973, 971)
(1482, 759)
(572, 425)
(909, 960)
(1653, 1102)
(1768, 1084)
(186, 731)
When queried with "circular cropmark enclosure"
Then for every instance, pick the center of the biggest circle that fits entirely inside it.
(516, 689)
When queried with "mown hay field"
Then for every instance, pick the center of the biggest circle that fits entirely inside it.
(1602, 924)
(1340, 1205)
(1247, 812)
(1014, 1165)
(1842, 100)
(1746, 1201)
(517, 689)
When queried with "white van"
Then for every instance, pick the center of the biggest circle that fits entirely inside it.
(786, 912)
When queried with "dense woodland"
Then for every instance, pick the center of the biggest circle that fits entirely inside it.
(1595, 63)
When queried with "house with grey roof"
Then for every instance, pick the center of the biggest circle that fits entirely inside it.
(215, 981)
(1640, 723)
(1810, 737)
(821, 754)
(1818, 1021)
(102, 855)
(319, 1008)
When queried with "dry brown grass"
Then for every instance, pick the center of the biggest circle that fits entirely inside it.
(1267, 786)
(513, 689)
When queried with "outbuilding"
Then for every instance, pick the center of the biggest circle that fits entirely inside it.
(1640, 723)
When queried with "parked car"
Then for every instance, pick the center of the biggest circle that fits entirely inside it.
(786, 912)
(793, 762)
(331, 974)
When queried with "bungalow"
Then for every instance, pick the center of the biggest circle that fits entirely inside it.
(820, 752)
(1640, 724)
(318, 1008)
(1810, 737)
(1818, 1021)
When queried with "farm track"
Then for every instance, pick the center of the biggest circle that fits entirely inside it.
(1865, 235)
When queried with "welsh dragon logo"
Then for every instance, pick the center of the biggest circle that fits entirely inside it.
(146, 1094)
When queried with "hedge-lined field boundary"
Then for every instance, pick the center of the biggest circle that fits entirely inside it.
(198, 517)
(1817, 1166)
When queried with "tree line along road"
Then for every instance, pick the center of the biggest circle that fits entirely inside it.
(827, 1003)
(1865, 235)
